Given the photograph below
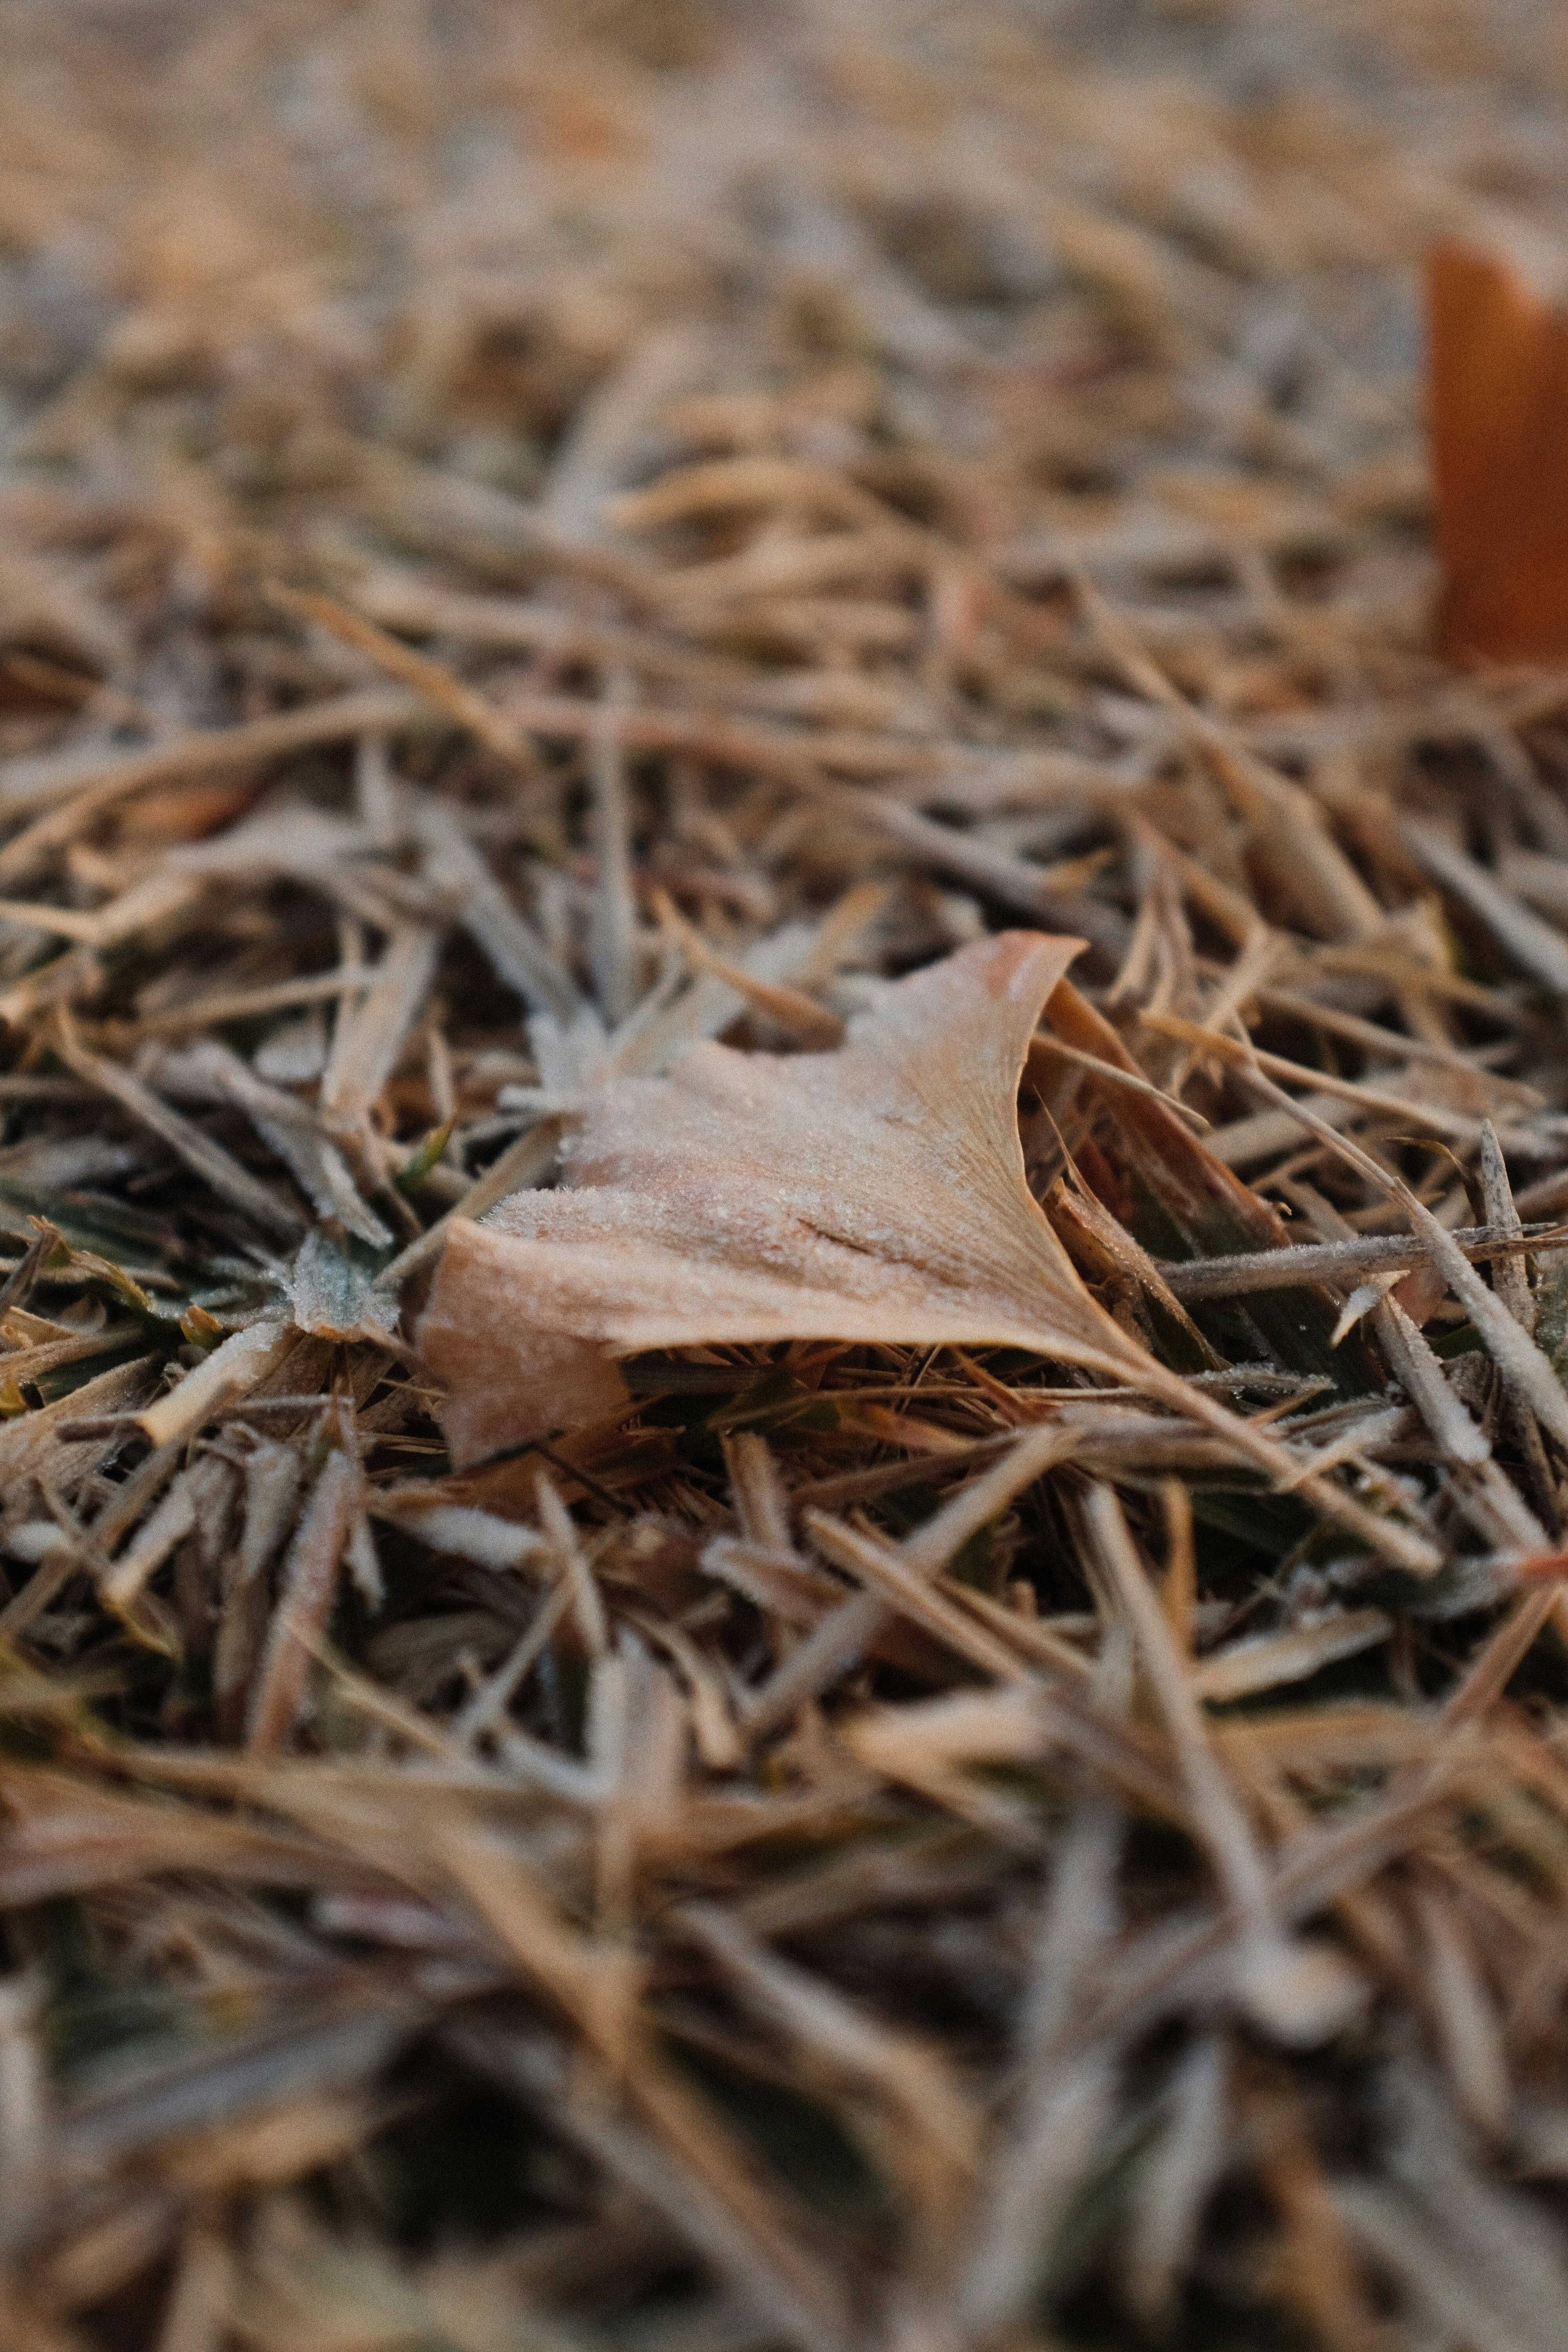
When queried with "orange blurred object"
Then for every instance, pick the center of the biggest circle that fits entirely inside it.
(1497, 395)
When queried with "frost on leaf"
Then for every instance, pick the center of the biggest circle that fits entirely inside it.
(876, 1193)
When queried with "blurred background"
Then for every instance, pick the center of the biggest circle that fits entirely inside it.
(1065, 247)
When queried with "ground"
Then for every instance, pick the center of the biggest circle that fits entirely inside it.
(565, 572)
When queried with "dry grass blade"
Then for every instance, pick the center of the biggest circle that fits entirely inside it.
(211, 1162)
(305, 1595)
(1541, 949)
(1336, 1262)
(88, 786)
(436, 684)
(1514, 1349)
(1302, 1993)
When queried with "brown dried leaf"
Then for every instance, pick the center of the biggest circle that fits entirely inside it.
(876, 1194)
(873, 1194)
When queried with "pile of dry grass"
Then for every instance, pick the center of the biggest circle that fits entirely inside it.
(535, 536)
